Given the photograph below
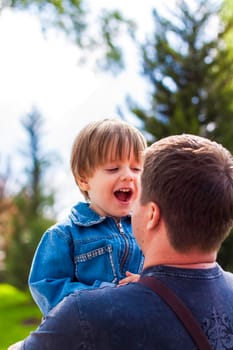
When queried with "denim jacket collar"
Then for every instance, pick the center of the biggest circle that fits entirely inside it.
(83, 215)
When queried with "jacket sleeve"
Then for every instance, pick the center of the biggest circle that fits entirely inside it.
(60, 329)
(52, 274)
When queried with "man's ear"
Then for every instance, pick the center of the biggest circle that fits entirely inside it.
(153, 215)
(83, 184)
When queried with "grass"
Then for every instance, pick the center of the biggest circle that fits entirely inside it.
(18, 315)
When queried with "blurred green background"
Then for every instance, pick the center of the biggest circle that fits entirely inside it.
(186, 64)
(19, 315)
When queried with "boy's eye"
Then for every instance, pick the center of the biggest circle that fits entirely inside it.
(111, 169)
(137, 169)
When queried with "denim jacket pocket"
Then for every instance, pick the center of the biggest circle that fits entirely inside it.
(95, 263)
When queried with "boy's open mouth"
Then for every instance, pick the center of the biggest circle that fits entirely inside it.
(123, 194)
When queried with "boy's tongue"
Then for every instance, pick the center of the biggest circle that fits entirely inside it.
(122, 196)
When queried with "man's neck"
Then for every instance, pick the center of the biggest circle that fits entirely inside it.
(200, 265)
(194, 259)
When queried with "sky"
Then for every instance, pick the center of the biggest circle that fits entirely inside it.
(43, 72)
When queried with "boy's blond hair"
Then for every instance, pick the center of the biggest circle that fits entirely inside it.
(104, 141)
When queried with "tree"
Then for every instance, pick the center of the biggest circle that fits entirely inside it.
(191, 79)
(93, 31)
(6, 210)
(190, 74)
(30, 218)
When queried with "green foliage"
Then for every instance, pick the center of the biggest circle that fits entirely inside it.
(95, 32)
(189, 67)
(19, 315)
(112, 27)
(190, 71)
(30, 219)
(69, 16)
(27, 231)
(226, 253)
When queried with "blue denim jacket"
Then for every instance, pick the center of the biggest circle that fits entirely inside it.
(133, 317)
(83, 252)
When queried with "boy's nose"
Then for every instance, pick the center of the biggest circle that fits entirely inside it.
(126, 177)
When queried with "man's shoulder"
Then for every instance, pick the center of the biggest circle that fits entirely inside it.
(88, 304)
(228, 276)
(106, 295)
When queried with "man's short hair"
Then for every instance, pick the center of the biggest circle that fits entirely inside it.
(191, 180)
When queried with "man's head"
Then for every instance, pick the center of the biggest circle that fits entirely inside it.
(190, 178)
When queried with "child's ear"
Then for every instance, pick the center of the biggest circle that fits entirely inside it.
(83, 184)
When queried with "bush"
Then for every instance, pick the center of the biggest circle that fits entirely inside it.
(19, 315)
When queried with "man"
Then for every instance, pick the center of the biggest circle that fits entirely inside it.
(184, 213)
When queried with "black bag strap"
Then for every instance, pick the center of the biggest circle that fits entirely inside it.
(180, 309)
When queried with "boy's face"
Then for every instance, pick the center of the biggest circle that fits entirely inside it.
(113, 187)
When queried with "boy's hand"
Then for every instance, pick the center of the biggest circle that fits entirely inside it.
(130, 277)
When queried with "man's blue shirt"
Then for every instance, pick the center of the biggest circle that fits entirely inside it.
(133, 317)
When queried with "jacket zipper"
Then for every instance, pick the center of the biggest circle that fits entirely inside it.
(123, 260)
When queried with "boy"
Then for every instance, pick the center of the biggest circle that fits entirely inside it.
(94, 246)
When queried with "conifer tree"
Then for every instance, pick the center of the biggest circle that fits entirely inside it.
(30, 218)
(189, 67)
(188, 62)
